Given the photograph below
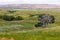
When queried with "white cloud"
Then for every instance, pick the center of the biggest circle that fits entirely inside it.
(29, 1)
(7, 0)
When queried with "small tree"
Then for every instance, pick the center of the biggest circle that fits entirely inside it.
(46, 19)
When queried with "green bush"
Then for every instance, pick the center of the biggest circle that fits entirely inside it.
(8, 18)
(18, 18)
(11, 11)
(0, 16)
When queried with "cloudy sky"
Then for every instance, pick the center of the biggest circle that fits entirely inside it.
(30, 2)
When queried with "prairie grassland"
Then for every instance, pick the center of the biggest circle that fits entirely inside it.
(25, 29)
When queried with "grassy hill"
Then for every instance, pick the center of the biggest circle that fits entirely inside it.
(25, 29)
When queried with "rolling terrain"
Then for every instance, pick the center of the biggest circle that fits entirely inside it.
(29, 6)
(25, 29)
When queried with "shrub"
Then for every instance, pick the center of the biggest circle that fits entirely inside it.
(45, 19)
(8, 18)
(38, 25)
(0, 16)
(18, 18)
(11, 11)
(53, 19)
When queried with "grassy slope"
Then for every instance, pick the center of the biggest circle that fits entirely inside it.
(28, 23)
(37, 34)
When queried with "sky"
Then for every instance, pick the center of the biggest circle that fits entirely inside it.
(30, 2)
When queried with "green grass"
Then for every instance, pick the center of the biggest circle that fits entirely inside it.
(27, 30)
(45, 34)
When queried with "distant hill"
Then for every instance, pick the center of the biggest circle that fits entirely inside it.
(32, 6)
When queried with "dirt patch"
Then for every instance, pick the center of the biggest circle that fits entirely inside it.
(4, 38)
(12, 38)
